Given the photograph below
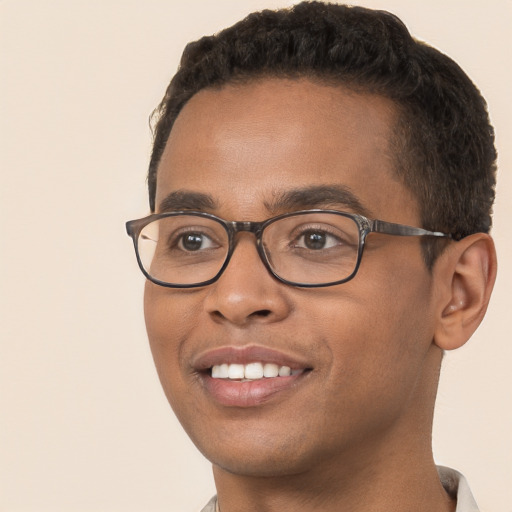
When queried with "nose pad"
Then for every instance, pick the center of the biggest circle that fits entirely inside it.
(246, 291)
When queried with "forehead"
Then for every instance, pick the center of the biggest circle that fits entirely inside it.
(248, 143)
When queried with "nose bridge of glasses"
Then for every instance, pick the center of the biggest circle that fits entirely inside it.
(246, 226)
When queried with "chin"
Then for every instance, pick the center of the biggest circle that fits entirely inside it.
(260, 467)
(270, 454)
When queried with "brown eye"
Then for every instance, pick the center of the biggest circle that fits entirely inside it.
(316, 240)
(195, 242)
(191, 241)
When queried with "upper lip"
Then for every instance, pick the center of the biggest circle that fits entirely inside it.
(246, 355)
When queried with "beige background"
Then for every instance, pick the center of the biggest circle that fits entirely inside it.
(84, 425)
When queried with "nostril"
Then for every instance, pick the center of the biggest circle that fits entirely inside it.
(261, 313)
(218, 316)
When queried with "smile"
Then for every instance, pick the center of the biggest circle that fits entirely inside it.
(250, 376)
(251, 371)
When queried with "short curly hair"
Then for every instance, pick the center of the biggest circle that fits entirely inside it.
(444, 142)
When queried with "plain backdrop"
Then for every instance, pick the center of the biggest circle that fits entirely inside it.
(84, 425)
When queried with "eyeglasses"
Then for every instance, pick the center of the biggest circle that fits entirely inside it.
(310, 248)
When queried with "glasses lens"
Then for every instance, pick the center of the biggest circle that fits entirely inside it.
(313, 248)
(183, 249)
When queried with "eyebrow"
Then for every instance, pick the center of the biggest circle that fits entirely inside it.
(186, 200)
(316, 196)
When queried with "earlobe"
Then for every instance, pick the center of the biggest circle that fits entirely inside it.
(465, 275)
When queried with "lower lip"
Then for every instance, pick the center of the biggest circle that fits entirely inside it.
(234, 393)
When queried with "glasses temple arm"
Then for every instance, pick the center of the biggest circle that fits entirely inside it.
(389, 228)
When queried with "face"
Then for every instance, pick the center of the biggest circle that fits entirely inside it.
(360, 352)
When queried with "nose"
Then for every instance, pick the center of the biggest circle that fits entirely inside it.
(246, 292)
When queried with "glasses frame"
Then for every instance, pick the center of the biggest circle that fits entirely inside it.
(365, 225)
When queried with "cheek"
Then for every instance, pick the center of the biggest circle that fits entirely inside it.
(168, 322)
(380, 338)
(397, 288)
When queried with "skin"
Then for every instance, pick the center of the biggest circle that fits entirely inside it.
(355, 434)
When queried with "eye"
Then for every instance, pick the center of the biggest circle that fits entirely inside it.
(315, 240)
(195, 241)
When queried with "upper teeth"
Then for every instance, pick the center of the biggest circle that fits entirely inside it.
(251, 371)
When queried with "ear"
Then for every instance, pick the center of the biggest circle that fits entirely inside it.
(465, 273)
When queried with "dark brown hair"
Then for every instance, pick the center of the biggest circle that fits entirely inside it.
(444, 142)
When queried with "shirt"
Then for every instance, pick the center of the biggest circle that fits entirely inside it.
(454, 483)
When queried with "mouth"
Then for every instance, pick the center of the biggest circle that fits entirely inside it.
(252, 371)
(249, 376)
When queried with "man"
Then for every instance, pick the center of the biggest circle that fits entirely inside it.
(321, 187)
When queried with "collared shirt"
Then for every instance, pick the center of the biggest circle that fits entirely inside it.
(454, 483)
(457, 487)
